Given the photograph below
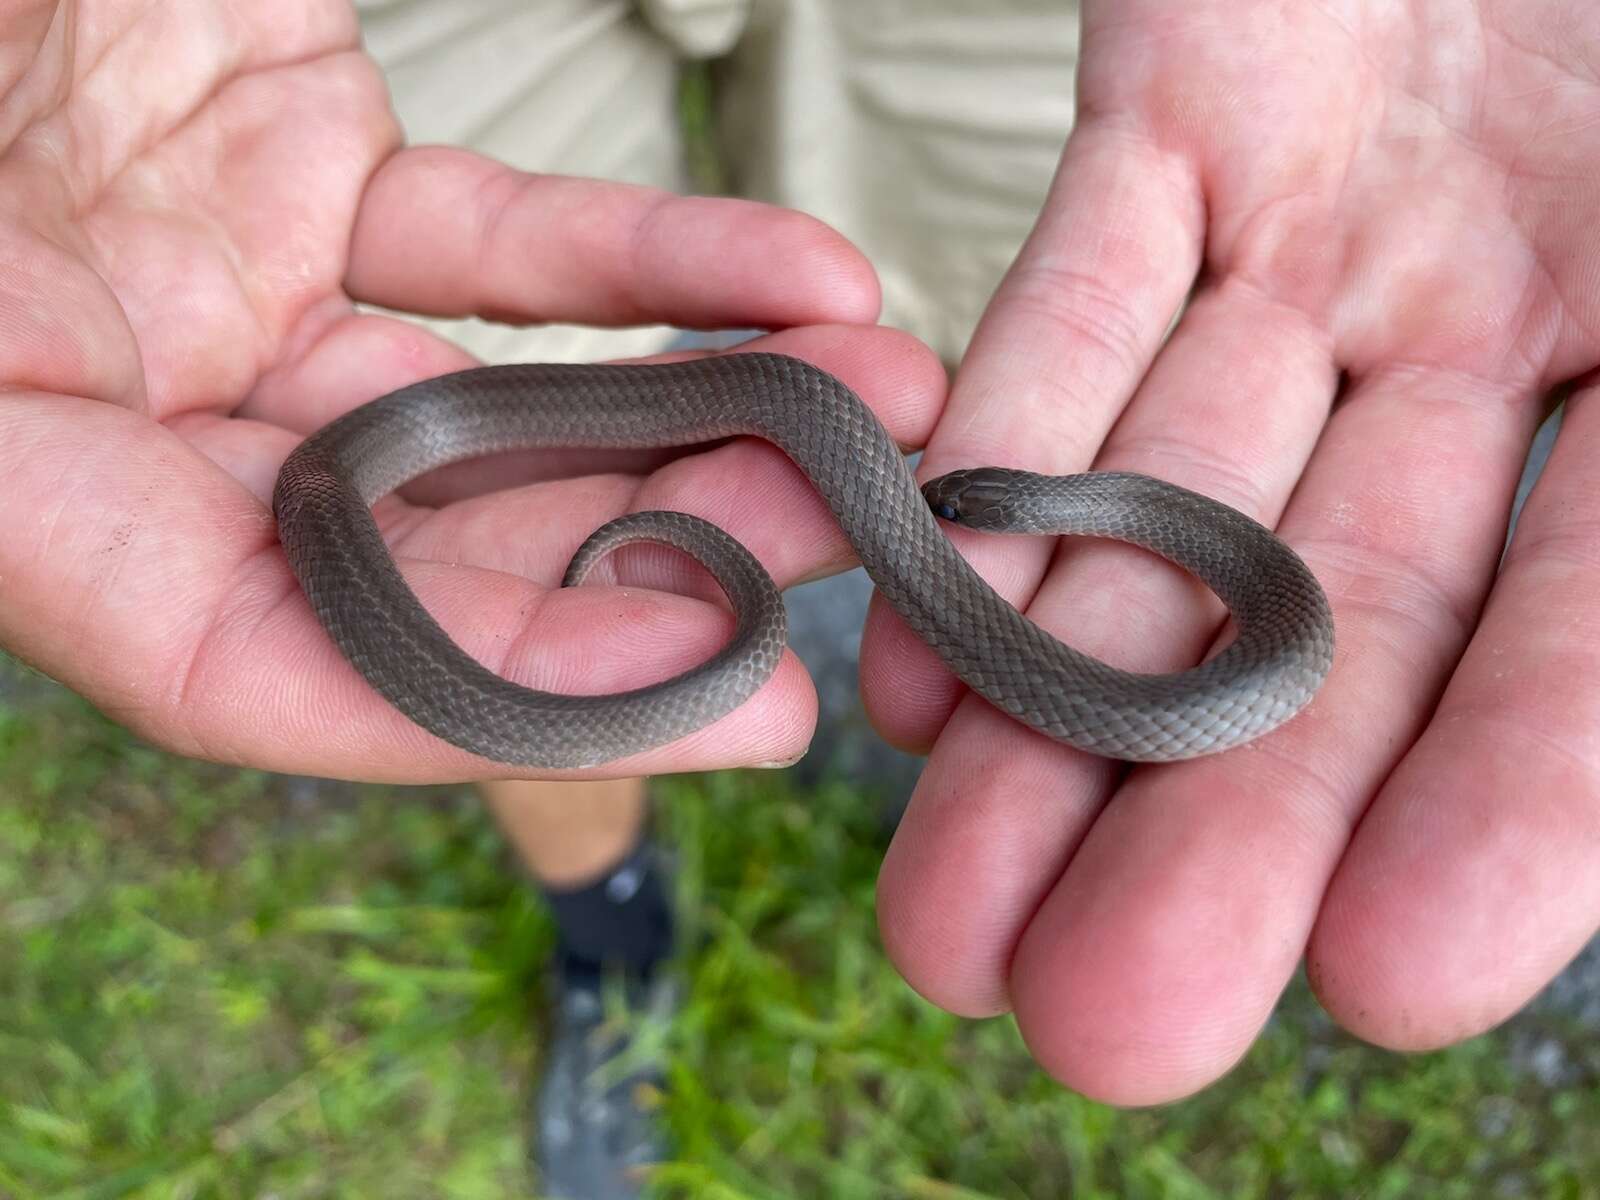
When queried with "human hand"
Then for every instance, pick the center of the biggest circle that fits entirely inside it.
(1392, 212)
(190, 201)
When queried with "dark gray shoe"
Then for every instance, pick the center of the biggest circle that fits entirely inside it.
(595, 1125)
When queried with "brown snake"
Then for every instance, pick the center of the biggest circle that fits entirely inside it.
(325, 490)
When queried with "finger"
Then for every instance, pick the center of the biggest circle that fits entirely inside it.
(1152, 965)
(360, 357)
(1060, 350)
(1000, 808)
(1476, 875)
(748, 487)
(351, 357)
(484, 239)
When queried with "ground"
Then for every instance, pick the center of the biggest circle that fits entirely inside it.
(218, 983)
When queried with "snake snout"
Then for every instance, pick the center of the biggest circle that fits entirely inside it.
(976, 497)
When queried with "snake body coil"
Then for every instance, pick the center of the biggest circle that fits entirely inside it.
(325, 491)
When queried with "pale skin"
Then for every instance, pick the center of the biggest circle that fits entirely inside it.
(1407, 195)
(1408, 203)
(571, 833)
(178, 312)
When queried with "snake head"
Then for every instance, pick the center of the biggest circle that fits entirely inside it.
(976, 497)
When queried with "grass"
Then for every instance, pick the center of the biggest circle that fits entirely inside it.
(217, 983)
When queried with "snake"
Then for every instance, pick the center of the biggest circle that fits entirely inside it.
(1281, 652)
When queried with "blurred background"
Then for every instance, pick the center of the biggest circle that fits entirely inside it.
(227, 983)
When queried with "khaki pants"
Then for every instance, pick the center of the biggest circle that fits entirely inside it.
(926, 131)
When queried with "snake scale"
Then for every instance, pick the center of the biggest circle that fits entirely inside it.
(324, 494)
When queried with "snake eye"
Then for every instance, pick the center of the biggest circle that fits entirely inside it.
(947, 511)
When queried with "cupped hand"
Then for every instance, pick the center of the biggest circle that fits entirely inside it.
(192, 199)
(1390, 219)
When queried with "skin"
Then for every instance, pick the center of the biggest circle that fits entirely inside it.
(569, 834)
(182, 251)
(1390, 214)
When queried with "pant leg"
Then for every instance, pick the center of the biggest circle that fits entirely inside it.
(926, 131)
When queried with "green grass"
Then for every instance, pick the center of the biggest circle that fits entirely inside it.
(213, 984)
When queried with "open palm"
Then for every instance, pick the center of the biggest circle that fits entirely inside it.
(192, 198)
(1393, 216)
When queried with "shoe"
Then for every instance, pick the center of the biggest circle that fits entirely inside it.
(596, 1124)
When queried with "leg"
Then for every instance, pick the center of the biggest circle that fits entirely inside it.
(569, 834)
(586, 846)
(588, 849)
